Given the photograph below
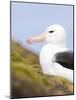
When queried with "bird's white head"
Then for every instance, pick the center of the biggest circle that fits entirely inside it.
(54, 34)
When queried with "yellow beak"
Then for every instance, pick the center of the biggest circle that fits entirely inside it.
(35, 39)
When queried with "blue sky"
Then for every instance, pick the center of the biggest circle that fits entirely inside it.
(30, 19)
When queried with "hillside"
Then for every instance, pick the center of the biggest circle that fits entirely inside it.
(27, 79)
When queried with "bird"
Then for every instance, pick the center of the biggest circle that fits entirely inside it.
(55, 58)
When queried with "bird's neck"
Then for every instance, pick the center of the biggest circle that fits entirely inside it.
(59, 45)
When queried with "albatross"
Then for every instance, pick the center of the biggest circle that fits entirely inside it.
(55, 58)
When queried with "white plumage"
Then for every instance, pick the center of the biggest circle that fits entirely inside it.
(55, 42)
(55, 38)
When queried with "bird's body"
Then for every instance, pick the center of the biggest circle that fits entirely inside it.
(48, 64)
(54, 57)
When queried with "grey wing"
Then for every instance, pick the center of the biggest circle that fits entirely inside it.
(66, 59)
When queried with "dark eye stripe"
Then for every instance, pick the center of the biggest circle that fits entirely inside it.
(51, 31)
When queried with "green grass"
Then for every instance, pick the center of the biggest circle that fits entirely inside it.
(28, 80)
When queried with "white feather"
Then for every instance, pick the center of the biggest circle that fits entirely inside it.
(55, 42)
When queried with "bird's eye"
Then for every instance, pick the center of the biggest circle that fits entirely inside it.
(51, 31)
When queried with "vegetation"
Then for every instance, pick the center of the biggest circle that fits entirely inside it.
(27, 80)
